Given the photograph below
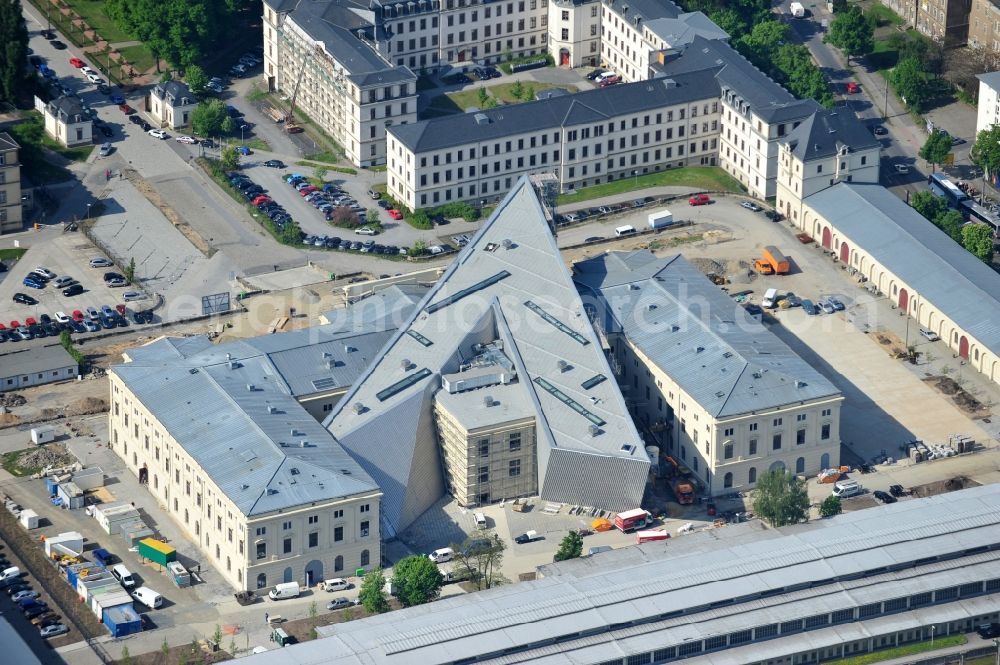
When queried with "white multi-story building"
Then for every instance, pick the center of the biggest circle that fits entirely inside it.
(320, 53)
(737, 401)
(989, 101)
(633, 30)
(584, 139)
(575, 32)
(827, 148)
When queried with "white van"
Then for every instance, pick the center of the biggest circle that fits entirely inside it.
(442, 555)
(123, 575)
(770, 299)
(846, 488)
(284, 590)
(10, 573)
(480, 520)
(148, 597)
(626, 230)
(336, 584)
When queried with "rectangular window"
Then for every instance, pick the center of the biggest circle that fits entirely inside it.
(364, 529)
(776, 442)
(286, 546)
(824, 431)
(514, 441)
(261, 530)
(514, 468)
(261, 550)
(286, 526)
(484, 448)
(313, 539)
(800, 437)
(338, 534)
(484, 474)
(777, 422)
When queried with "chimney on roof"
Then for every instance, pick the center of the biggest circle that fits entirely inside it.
(250, 387)
(488, 401)
(359, 408)
(594, 430)
(562, 365)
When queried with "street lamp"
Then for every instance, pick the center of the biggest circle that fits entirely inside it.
(996, 643)
(932, 638)
(636, 174)
(88, 210)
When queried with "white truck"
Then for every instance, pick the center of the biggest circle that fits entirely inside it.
(797, 10)
(660, 219)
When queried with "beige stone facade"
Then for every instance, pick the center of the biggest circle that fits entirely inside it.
(945, 21)
(10, 185)
(66, 122)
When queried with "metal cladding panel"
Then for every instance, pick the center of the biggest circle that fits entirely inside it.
(609, 483)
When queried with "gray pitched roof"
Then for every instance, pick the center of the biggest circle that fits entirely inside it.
(647, 9)
(825, 132)
(35, 359)
(638, 599)
(173, 92)
(734, 72)
(922, 256)
(728, 362)
(7, 142)
(67, 108)
(991, 79)
(565, 111)
(508, 284)
(334, 24)
(683, 29)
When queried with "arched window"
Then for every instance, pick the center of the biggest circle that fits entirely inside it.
(338, 564)
(239, 576)
(261, 581)
(365, 558)
(727, 480)
(800, 465)
(229, 564)
(976, 355)
(753, 474)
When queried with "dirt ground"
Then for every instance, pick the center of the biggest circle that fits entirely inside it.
(943, 486)
(301, 629)
(958, 395)
(175, 656)
(57, 400)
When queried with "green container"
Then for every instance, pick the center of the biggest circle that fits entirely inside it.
(157, 552)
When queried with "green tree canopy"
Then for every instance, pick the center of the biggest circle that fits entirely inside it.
(936, 148)
(196, 79)
(230, 158)
(372, 592)
(951, 222)
(985, 151)
(208, 117)
(729, 20)
(909, 80)
(417, 579)
(928, 205)
(978, 240)
(571, 547)
(831, 506)
(780, 498)
(761, 44)
(13, 50)
(852, 32)
(480, 560)
(801, 75)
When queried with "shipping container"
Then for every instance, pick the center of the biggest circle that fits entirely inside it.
(87, 587)
(113, 515)
(77, 570)
(88, 479)
(135, 534)
(122, 620)
(70, 495)
(660, 219)
(108, 599)
(40, 435)
(156, 551)
(28, 519)
(69, 543)
(650, 536)
(179, 574)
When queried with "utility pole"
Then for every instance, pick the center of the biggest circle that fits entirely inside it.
(885, 104)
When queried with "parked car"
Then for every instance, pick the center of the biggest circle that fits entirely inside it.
(826, 307)
(54, 630)
(22, 595)
(33, 283)
(73, 290)
(106, 150)
(879, 130)
(157, 134)
(76, 62)
(595, 73)
(750, 205)
(395, 214)
(901, 169)
(274, 164)
(94, 78)
(184, 138)
(929, 335)
(24, 299)
(837, 305)
(852, 88)
(699, 200)
(884, 497)
(339, 603)
(375, 195)
(58, 45)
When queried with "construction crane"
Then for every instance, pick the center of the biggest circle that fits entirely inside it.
(290, 125)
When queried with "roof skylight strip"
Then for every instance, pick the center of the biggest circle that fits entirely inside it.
(553, 321)
(569, 401)
(402, 384)
(593, 381)
(325, 383)
(420, 338)
(455, 297)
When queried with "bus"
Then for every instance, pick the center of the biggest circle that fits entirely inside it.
(941, 186)
(978, 214)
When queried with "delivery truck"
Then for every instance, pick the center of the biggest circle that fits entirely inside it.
(773, 262)
(650, 536)
(630, 520)
(660, 219)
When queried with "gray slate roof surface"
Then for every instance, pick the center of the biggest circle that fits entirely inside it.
(961, 286)
(174, 91)
(991, 79)
(591, 106)
(732, 71)
(685, 28)
(34, 360)
(728, 362)
(6, 142)
(66, 107)
(333, 23)
(823, 134)
(643, 583)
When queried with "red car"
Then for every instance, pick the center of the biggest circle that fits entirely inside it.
(852, 88)
(261, 199)
(30, 321)
(15, 324)
(77, 315)
(395, 214)
(121, 309)
(308, 190)
(699, 200)
(126, 109)
(609, 80)
(76, 62)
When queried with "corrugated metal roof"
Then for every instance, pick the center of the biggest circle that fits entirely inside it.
(517, 240)
(34, 360)
(635, 586)
(728, 362)
(927, 260)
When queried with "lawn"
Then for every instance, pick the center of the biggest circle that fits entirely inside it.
(902, 651)
(882, 14)
(707, 178)
(30, 135)
(459, 102)
(9, 462)
(502, 91)
(93, 13)
(12, 253)
(257, 144)
(140, 57)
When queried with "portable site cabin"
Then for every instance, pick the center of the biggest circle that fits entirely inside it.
(108, 599)
(88, 587)
(88, 479)
(111, 516)
(71, 495)
(77, 570)
(134, 533)
(157, 552)
(69, 543)
(28, 519)
(179, 574)
(122, 620)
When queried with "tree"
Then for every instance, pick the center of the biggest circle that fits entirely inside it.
(228, 125)
(320, 172)
(482, 95)
(951, 222)
(196, 79)
(517, 89)
(839, 6)
(763, 42)
(978, 240)
(571, 547)
(831, 506)
(371, 216)
(529, 93)
(416, 580)
(780, 498)
(729, 20)
(166, 77)
(909, 80)
(165, 650)
(344, 217)
(418, 248)
(130, 270)
(928, 205)
(230, 158)
(372, 593)
(208, 117)
(853, 33)
(479, 559)
(13, 50)
(985, 151)
(936, 148)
